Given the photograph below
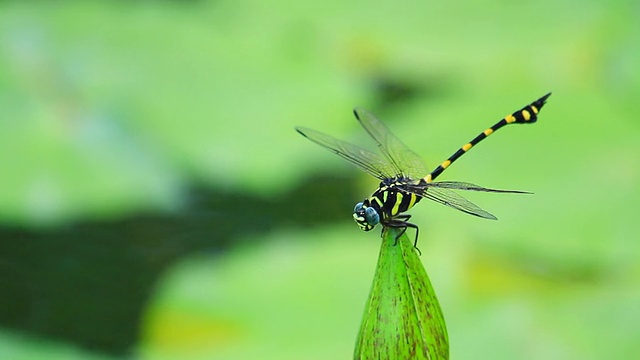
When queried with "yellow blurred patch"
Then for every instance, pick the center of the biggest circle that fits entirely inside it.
(493, 275)
(172, 330)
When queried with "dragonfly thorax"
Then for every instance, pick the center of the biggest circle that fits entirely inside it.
(365, 216)
(386, 203)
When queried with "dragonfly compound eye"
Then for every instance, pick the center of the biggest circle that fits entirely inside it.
(365, 217)
(358, 208)
(371, 215)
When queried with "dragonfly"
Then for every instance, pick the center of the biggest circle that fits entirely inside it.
(404, 178)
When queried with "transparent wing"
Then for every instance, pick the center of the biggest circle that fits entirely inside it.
(449, 198)
(365, 159)
(458, 185)
(403, 160)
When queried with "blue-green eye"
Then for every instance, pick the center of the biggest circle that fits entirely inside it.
(371, 215)
(366, 217)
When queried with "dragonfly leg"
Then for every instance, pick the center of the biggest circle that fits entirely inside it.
(400, 222)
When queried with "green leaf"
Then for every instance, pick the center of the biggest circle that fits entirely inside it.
(402, 319)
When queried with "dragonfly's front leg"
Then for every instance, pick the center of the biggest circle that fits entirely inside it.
(400, 222)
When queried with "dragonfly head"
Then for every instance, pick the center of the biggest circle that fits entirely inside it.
(365, 216)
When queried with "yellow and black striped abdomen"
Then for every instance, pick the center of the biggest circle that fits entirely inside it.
(526, 115)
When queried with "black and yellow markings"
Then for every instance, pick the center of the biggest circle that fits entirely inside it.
(534, 109)
(379, 201)
(401, 185)
(395, 210)
(526, 115)
(393, 202)
(413, 199)
(403, 202)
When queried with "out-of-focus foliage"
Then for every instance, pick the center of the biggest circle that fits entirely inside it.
(112, 110)
(20, 347)
(286, 298)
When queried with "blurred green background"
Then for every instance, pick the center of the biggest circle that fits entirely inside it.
(156, 202)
